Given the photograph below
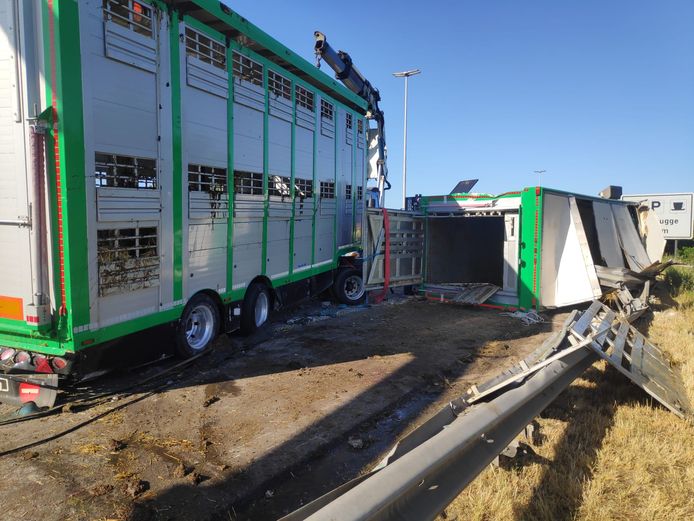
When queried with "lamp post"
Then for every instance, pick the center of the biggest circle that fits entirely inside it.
(406, 75)
(539, 174)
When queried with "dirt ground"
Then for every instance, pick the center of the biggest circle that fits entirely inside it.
(262, 424)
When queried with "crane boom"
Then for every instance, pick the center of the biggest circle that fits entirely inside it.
(345, 71)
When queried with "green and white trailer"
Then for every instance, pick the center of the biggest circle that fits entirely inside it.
(165, 162)
(530, 249)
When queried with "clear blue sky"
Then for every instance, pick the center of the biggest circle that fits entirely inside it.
(594, 92)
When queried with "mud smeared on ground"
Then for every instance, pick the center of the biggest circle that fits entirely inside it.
(262, 424)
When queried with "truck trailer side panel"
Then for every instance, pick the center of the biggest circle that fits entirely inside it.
(177, 161)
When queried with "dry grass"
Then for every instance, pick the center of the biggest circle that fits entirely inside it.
(90, 448)
(609, 452)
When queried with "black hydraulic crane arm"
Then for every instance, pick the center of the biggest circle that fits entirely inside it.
(347, 73)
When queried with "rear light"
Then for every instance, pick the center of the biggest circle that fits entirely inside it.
(6, 354)
(22, 357)
(59, 363)
(41, 364)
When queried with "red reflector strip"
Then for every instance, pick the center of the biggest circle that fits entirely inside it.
(32, 320)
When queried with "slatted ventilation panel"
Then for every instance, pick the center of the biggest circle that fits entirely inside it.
(327, 119)
(279, 186)
(129, 33)
(128, 259)
(250, 87)
(303, 188)
(119, 171)
(130, 14)
(360, 133)
(349, 125)
(205, 49)
(305, 107)
(279, 86)
(248, 183)
(208, 196)
(206, 64)
(127, 188)
(327, 190)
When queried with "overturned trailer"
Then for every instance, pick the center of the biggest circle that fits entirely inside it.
(530, 249)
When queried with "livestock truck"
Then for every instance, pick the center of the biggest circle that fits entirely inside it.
(169, 162)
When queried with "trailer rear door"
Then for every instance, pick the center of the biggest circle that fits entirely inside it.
(393, 248)
(16, 290)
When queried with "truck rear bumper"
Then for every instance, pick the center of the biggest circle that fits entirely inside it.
(19, 389)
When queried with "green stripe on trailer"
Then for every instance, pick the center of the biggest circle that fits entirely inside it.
(64, 58)
(41, 345)
(230, 179)
(177, 143)
(292, 185)
(530, 248)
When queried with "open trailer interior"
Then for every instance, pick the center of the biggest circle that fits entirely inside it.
(532, 249)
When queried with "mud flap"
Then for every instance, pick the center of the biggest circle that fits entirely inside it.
(18, 389)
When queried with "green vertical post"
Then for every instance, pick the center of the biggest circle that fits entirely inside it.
(355, 190)
(338, 193)
(64, 59)
(292, 192)
(266, 171)
(316, 181)
(177, 156)
(530, 248)
(230, 168)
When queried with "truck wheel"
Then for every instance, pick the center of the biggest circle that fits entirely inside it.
(255, 309)
(349, 287)
(198, 326)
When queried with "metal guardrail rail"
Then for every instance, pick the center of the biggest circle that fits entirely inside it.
(428, 468)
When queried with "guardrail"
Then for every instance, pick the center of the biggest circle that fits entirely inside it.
(428, 468)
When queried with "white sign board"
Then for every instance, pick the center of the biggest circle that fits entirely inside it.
(674, 212)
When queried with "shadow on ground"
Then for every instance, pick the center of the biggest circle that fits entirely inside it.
(262, 490)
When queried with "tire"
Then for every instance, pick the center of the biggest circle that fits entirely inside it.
(255, 309)
(349, 287)
(198, 326)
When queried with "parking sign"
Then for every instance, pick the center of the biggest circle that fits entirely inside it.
(674, 212)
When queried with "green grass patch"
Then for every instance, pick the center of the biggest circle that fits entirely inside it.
(685, 254)
(679, 279)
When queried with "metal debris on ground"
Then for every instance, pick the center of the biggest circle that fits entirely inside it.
(642, 362)
(468, 293)
(527, 317)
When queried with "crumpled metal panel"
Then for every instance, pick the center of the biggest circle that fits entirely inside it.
(642, 362)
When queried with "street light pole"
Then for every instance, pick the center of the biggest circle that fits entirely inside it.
(406, 75)
(539, 174)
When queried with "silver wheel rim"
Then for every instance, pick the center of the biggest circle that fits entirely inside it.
(200, 327)
(354, 287)
(262, 308)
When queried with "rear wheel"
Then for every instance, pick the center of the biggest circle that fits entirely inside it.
(198, 326)
(255, 309)
(349, 287)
